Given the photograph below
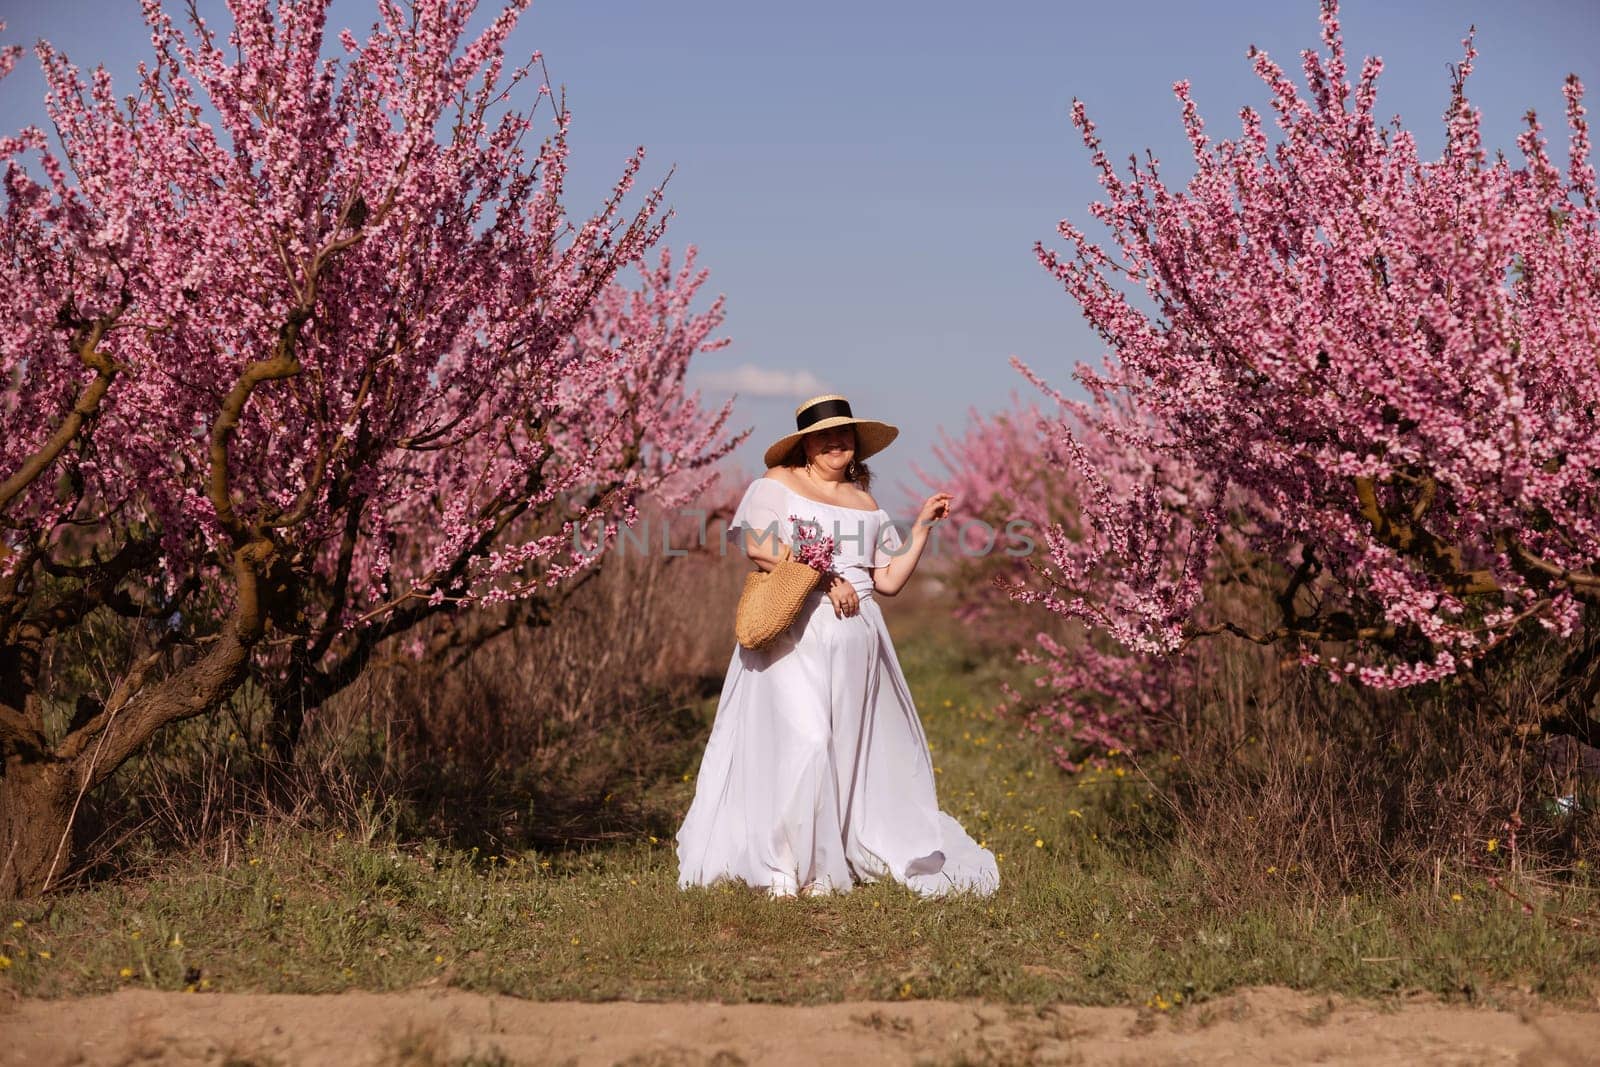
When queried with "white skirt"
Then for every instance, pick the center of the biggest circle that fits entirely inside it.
(817, 770)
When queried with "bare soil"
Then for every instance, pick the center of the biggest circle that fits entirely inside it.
(440, 1027)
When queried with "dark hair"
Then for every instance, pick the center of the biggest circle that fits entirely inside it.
(797, 458)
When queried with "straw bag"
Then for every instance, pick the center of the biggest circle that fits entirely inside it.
(772, 600)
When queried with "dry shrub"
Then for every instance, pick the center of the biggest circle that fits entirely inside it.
(1271, 770)
(545, 736)
(1280, 774)
(552, 735)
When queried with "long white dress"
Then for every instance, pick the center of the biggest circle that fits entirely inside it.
(817, 768)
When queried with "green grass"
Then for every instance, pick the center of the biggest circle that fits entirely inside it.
(1093, 909)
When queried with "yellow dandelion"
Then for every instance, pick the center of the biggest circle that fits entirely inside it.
(949, 703)
(653, 840)
(126, 972)
(1038, 842)
(438, 959)
(1075, 813)
(1456, 897)
(5, 962)
(255, 861)
(686, 777)
(1272, 870)
(1096, 936)
(905, 987)
(136, 935)
(1492, 845)
(1120, 773)
(16, 924)
(44, 954)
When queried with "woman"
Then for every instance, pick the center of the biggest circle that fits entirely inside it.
(817, 771)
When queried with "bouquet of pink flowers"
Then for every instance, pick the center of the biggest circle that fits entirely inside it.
(772, 599)
(812, 549)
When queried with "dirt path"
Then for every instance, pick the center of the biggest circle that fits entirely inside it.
(438, 1028)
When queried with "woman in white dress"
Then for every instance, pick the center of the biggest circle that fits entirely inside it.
(817, 771)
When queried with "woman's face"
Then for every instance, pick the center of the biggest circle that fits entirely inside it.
(831, 449)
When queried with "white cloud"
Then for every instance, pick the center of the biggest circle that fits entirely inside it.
(750, 380)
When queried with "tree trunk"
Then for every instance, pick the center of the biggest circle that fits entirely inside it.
(35, 827)
(40, 788)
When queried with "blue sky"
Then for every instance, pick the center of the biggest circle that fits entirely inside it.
(866, 180)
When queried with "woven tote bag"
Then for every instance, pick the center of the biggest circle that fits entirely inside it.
(772, 600)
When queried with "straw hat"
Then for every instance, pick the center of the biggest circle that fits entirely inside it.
(824, 413)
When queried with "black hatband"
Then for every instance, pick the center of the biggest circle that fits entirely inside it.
(822, 409)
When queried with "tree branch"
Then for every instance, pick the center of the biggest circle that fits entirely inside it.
(86, 407)
(1443, 561)
(18, 735)
(283, 363)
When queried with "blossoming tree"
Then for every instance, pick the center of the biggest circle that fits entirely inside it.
(1090, 694)
(297, 353)
(1382, 367)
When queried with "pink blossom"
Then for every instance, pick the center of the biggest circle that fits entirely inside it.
(310, 348)
(815, 549)
(1365, 370)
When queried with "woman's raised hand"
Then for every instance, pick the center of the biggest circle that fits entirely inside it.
(846, 601)
(935, 509)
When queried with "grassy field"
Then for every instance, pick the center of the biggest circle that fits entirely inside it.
(1093, 909)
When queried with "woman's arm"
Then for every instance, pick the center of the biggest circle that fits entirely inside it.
(890, 579)
(764, 548)
(760, 524)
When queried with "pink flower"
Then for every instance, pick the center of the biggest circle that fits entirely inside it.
(811, 547)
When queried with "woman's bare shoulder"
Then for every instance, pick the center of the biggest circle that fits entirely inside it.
(785, 476)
